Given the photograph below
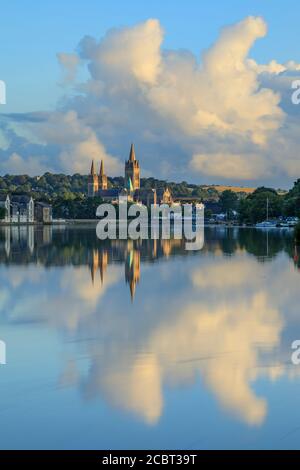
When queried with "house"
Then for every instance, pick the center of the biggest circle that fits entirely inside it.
(22, 209)
(164, 196)
(43, 213)
(147, 197)
(112, 195)
(5, 204)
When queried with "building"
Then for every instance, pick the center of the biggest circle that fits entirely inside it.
(132, 172)
(112, 195)
(22, 209)
(5, 204)
(147, 197)
(164, 196)
(102, 180)
(43, 213)
(93, 182)
(98, 185)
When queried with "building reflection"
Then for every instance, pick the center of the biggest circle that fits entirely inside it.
(131, 253)
(98, 265)
(133, 270)
(29, 244)
(23, 239)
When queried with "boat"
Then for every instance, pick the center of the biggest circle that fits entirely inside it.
(284, 225)
(265, 224)
(289, 222)
(292, 221)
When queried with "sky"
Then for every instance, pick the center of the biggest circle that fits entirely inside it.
(195, 98)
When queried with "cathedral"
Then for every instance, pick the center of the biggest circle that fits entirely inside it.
(97, 182)
(98, 185)
(132, 172)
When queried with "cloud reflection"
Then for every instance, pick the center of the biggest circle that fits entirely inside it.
(208, 316)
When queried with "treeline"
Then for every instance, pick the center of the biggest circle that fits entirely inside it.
(47, 187)
(67, 194)
(51, 186)
(253, 208)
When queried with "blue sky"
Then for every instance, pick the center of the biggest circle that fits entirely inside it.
(32, 33)
(227, 118)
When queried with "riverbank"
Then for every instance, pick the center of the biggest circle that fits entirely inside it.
(53, 223)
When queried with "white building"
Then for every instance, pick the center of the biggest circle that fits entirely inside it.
(5, 204)
(22, 209)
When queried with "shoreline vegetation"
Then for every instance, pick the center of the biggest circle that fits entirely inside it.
(225, 224)
(237, 205)
(297, 234)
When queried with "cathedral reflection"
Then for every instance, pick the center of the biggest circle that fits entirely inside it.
(61, 246)
(56, 246)
(132, 269)
(131, 253)
(99, 265)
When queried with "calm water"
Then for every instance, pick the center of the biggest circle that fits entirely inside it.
(144, 345)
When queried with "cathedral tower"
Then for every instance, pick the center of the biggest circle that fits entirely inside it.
(93, 184)
(132, 172)
(102, 180)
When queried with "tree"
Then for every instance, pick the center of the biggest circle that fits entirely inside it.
(291, 204)
(228, 201)
(297, 233)
(2, 213)
(254, 208)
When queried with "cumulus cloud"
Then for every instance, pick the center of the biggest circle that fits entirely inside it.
(220, 116)
(126, 52)
(273, 67)
(222, 93)
(69, 64)
(21, 166)
(77, 142)
(229, 165)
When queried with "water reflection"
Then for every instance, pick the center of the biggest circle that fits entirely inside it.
(150, 315)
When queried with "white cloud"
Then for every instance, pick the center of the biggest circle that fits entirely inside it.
(22, 166)
(69, 63)
(273, 67)
(230, 165)
(224, 116)
(222, 94)
(126, 52)
(78, 143)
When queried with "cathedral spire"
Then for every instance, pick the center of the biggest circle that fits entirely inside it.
(132, 170)
(132, 154)
(101, 168)
(102, 178)
(93, 183)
